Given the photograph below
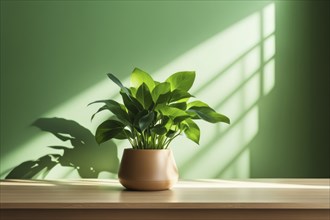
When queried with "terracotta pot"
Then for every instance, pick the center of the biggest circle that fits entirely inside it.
(148, 169)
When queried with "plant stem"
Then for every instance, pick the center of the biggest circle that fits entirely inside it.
(153, 140)
(145, 140)
(171, 139)
(136, 139)
(129, 139)
(162, 141)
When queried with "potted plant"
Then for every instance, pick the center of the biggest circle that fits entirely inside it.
(152, 115)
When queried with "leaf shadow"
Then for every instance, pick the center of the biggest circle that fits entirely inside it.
(86, 156)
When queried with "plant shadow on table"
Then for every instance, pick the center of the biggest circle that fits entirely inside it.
(85, 155)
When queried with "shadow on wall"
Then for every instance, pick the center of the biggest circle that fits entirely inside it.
(86, 156)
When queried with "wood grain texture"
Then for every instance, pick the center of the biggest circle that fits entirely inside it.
(210, 194)
(198, 199)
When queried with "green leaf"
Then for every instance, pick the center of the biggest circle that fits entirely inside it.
(131, 103)
(208, 114)
(108, 130)
(179, 119)
(183, 125)
(133, 91)
(171, 112)
(104, 107)
(178, 95)
(138, 77)
(164, 98)
(179, 105)
(117, 81)
(117, 109)
(182, 80)
(197, 104)
(137, 118)
(193, 131)
(160, 89)
(170, 133)
(123, 135)
(193, 115)
(164, 119)
(146, 120)
(143, 96)
(167, 123)
(159, 129)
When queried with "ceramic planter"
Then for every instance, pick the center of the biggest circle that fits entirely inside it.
(148, 169)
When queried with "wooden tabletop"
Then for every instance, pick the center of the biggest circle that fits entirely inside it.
(208, 194)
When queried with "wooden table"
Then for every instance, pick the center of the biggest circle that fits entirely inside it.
(198, 199)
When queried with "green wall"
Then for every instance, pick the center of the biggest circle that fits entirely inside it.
(54, 51)
(295, 124)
